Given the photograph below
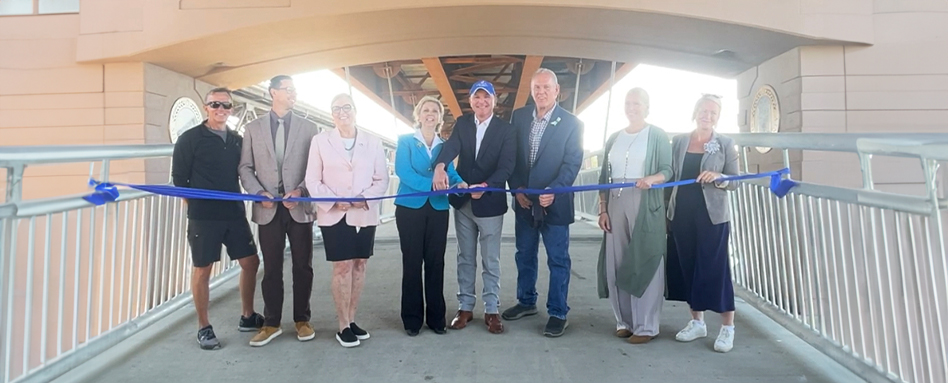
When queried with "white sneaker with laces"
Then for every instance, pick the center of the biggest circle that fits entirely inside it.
(693, 331)
(725, 341)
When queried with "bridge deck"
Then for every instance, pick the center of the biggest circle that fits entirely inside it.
(588, 352)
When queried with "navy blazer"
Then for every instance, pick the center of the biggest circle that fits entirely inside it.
(493, 164)
(558, 161)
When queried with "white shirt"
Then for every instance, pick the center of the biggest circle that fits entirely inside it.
(627, 156)
(349, 145)
(435, 142)
(481, 129)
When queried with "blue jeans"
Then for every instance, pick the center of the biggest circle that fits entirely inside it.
(556, 241)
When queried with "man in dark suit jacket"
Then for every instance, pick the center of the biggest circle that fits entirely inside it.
(487, 149)
(549, 155)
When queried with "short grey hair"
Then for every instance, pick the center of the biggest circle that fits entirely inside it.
(547, 71)
(219, 90)
(416, 113)
(642, 94)
(343, 95)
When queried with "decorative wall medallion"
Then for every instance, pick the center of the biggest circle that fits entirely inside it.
(185, 114)
(765, 113)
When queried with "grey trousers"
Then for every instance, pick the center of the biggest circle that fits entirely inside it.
(470, 231)
(641, 315)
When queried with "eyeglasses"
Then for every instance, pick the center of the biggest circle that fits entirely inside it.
(218, 104)
(288, 89)
(344, 108)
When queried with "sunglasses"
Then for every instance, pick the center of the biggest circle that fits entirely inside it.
(344, 108)
(218, 104)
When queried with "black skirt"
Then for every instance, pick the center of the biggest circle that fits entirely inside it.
(343, 243)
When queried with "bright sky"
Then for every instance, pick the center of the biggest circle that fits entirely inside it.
(318, 88)
(672, 95)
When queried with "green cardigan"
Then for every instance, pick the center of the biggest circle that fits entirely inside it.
(648, 244)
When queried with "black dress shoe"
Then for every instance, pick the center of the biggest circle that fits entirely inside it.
(411, 332)
(439, 331)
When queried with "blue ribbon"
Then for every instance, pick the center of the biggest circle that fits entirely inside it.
(108, 192)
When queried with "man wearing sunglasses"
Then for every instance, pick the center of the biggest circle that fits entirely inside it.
(206, 157)
(273, 163)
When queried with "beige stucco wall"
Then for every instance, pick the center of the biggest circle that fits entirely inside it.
(162, 87)
(898, 84)
(47, 98)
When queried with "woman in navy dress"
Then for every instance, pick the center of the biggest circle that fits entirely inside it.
(700, 222)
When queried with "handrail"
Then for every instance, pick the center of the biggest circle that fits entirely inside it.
(29, 155)
(836, 142)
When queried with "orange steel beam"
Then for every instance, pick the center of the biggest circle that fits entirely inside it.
(530, 66)
(436, 70)
(620, 73)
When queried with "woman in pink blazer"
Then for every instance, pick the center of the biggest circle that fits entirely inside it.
(346, 163)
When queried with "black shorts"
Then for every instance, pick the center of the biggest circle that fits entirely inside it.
(206, 238)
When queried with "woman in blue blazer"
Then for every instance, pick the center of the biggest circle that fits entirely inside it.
(422, 222)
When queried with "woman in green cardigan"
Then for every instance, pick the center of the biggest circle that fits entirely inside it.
(631, 260)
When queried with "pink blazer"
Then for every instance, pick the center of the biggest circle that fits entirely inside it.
(329, 173)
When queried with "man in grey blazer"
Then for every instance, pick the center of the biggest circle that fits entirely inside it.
(273, 163)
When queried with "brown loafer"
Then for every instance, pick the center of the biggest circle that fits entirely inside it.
(460, 319)
(493, 323)
(623, 333)
(640, 339)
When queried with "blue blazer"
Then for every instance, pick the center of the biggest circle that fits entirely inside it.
(558, 161)
(415, 171)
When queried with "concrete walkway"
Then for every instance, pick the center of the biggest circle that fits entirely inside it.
(588, 352)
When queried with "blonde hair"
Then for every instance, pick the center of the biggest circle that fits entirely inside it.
(416, 114)
(705, 97)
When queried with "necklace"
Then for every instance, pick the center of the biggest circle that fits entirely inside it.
(625, 169)
(354, 136)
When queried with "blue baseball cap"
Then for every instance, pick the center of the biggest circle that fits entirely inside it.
(485, 85)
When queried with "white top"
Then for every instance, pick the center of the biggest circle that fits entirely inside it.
(435, 142)
(349, 145)
(627, 156)
(481, 129)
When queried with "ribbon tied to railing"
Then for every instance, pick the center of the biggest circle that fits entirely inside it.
(106, 192)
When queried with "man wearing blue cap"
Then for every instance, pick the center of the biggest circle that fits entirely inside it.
(487, 147)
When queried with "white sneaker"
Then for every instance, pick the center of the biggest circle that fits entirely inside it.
(725, 341)
(693, 331)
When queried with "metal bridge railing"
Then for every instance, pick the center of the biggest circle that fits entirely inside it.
(858, 273)
(76, 279)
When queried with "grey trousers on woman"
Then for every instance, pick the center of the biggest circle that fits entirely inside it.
(641, 315)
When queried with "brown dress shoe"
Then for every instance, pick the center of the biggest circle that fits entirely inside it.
(493, 323)
(623, 333)
(460, 319)
(640, 339)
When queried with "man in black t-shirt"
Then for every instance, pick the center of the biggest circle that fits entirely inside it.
(206, 157)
